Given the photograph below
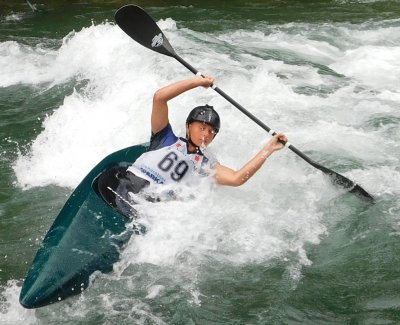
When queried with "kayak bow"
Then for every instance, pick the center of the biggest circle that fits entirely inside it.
(86, 236)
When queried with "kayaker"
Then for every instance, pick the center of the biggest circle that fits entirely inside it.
(172, 159)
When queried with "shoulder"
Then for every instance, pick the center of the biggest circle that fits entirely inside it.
(163, 138)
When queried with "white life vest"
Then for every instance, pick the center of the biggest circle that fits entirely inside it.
(167, 165)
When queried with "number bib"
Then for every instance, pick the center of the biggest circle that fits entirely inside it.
(168, 164)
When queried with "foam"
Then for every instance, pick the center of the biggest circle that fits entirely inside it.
(13, 17)
(11, 312)
(377, 67)
(277, 213)
(217, 226)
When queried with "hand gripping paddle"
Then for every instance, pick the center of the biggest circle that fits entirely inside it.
(135, 22)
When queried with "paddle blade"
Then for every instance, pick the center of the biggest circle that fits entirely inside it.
(336, 178)
(135, 22)
(346, 183)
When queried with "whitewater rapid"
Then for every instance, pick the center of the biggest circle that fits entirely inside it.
(328, 87)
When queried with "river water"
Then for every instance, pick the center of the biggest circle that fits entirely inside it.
(288, 247)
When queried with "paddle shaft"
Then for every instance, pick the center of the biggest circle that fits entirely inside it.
(335, 177)
(248, 114)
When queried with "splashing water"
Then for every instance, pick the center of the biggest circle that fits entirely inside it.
(332, 87)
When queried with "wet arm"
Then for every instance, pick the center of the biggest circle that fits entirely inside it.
(230, 177)
(159, 115)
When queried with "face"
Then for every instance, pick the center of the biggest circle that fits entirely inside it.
(200, 133)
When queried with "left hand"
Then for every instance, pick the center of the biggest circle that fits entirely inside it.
(276, 142)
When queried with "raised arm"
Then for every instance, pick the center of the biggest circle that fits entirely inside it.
(159, 115)
(227, 176)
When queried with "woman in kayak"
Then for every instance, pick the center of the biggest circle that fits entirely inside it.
(171, 159)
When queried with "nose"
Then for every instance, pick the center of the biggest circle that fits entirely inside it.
(206, 135)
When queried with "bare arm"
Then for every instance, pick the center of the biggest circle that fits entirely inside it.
(227, 176)
(159, 115)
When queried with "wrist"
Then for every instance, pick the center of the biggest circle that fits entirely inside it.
(269, 147)
(266, 151)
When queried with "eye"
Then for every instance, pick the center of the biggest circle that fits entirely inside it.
(210, 130)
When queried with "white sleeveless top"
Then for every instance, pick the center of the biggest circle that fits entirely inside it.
(169, 164)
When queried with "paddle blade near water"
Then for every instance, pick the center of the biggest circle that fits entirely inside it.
(347, 184)
(136, 23)
(336, 178)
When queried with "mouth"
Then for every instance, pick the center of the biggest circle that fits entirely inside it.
(203, 143)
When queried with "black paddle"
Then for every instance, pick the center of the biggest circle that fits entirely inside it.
(135, 22)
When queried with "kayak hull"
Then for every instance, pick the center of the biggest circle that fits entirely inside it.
(86, 236)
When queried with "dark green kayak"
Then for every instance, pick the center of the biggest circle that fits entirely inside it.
(86, 236)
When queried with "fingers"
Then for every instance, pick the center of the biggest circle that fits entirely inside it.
(205, 81)
(208, 81)
(281, 140)
(281, 137)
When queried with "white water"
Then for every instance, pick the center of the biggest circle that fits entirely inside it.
(276, 214)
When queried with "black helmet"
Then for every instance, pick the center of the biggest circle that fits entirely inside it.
(206, 114)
